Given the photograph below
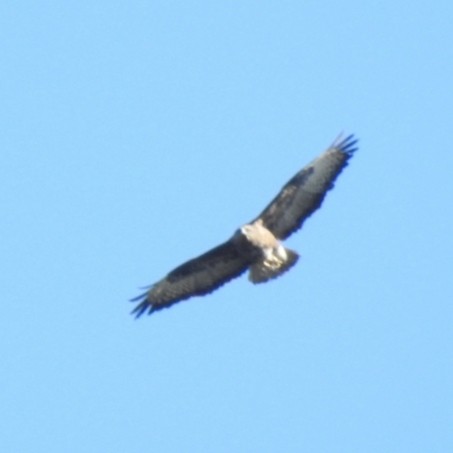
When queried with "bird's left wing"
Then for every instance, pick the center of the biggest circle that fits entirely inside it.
(305, 192)
(196, 277)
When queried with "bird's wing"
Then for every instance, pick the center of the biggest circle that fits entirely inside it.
(305, 192)
(196, 277)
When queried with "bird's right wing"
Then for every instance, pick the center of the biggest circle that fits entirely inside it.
(196, 277)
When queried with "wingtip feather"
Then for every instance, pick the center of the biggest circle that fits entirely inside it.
(143, 306)
(346, 145)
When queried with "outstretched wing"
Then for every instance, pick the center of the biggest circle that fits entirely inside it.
(305, 192)
(196, 277)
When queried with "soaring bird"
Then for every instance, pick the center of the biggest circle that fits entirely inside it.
(256, 246)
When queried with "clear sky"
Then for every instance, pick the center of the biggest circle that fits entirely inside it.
(136, 135)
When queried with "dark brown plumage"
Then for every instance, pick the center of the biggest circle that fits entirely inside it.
(255, 246)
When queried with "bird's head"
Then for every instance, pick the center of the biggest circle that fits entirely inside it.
(246, 230)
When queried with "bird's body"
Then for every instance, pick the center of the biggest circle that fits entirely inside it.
(272, 258)
(256, 246)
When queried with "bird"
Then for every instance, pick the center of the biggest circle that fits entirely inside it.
(256, 246)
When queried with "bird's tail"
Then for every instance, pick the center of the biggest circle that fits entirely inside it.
(266, 269)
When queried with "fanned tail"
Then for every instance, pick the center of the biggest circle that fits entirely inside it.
(264, 270)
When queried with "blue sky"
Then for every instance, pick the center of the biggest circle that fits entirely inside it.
(136, 135)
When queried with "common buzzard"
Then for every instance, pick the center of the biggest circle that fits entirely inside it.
(257, 245)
